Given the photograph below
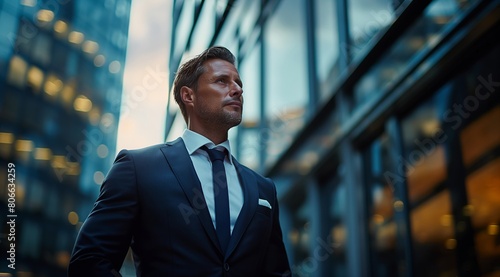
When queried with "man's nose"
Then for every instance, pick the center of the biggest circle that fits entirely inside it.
(236, 89)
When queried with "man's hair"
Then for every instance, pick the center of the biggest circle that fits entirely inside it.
(189, 72)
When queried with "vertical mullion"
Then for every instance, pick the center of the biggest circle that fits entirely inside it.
(400, 191)
(343, 34)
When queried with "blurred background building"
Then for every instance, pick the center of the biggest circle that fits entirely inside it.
(377, 119)
(61, 69)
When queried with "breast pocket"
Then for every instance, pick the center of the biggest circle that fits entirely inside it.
(264, 210)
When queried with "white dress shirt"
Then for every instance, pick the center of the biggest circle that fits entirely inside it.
(203, 167)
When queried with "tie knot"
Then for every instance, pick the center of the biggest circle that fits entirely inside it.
(214, 154)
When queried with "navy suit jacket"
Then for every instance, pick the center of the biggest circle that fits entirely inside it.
(152, 201)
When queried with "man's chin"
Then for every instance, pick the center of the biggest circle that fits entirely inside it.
(234, 121)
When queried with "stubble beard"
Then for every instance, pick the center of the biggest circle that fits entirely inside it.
(221, 118)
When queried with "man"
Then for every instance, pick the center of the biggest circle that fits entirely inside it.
(187, 207)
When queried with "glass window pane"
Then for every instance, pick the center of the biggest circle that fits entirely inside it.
(366, 19)
(183, 27)
(41, 53)
(481, 154)
(483, 188)
(424, 162)
(327, 46)
(228, 34)
(251, 10)
(421, 36)
(9, 25)
(250, 147)
(204, 29)
(425, 170)
(480, 137)
(250, 76)
(433, 236)
(286, 83)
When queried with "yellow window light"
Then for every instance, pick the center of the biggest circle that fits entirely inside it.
(58, 161)
(75, 37)
(68, 93)
(52, 85)
(45, 16)
(28, 3)
(90, 47)
(35, 78)
(73, 218)
(24, 145)
(44, 154)
(73, 169)
(493, 229)
(60, 27)
(82, 104)
(17, 71)
(7, 138)
(450, 244)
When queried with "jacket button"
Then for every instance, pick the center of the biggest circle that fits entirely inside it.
(226, 266)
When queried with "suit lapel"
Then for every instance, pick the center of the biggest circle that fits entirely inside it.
(251, 197)
(183, 169)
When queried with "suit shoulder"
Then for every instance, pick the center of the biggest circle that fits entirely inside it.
(141, 151)
(149, 151)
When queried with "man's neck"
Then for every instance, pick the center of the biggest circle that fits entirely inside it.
(216, 136)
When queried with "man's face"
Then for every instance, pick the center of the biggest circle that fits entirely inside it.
(218, 98)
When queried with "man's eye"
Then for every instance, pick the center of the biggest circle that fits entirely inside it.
(221, 81)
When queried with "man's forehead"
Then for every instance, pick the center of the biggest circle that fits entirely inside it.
(220, 66)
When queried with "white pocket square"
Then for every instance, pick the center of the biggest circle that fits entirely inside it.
(265, 203)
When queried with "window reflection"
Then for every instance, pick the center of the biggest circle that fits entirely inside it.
(249, 147)
(204, 29)
(286, 86)
(251, 137)
(251, 11)
(183, 27)
(481, 155)
(250, 75)
(421, 36)
(366, 19)
(41, 53)
(326, 36)
(425, 168)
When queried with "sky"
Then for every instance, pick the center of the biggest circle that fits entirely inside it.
(145, 81)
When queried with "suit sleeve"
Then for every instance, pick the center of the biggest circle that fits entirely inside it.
(105, 236)
(276, 261)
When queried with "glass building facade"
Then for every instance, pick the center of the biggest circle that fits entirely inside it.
(378, 120)
(61, 69)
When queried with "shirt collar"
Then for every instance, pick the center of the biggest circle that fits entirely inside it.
(194, 141)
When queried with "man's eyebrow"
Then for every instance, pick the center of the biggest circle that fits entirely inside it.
(226, 75)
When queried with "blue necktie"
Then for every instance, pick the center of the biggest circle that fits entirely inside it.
(221, 196)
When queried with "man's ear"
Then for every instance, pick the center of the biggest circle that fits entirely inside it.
(187, 95)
